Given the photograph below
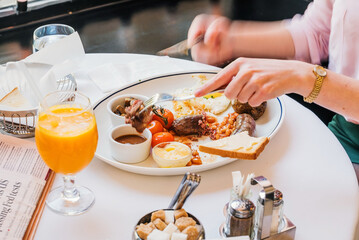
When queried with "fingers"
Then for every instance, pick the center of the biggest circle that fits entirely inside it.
(198, 28)
(216, 30)
(220, 79)
(256, 99)
(235, 86)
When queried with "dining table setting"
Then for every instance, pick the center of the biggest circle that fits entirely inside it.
(120, 186)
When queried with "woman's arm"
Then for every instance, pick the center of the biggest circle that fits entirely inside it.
(303, 38)
(225, 40)
(256, 80)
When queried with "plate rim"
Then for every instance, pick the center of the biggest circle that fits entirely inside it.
(173, 171)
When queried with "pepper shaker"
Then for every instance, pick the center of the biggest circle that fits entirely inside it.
(240, 217)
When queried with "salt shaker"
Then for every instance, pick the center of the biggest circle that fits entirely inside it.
(277, 214)
(240, 214)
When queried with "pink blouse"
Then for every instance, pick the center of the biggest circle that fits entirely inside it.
(329, 28)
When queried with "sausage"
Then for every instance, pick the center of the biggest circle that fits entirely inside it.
(255, 112)
(245, 122)
(189, 124)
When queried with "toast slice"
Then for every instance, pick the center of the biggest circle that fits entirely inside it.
(240, 146)
(15, 99)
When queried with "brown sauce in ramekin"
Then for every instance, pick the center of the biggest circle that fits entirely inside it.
(130, 139)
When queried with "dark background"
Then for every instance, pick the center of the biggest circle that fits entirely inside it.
(137, 26)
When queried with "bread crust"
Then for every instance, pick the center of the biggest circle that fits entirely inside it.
(9, 94)
(247, 155)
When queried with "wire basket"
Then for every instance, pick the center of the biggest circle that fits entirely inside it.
(22, 123)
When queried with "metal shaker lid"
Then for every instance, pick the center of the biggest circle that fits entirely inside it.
(278, 197)
(241, 208)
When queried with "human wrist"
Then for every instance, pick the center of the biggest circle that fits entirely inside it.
(233, 39)
(303, 78)
(311, 81)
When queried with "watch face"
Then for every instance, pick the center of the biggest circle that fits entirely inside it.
(320, 71)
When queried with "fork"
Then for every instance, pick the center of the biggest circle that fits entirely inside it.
(165, 97)
(68, 84)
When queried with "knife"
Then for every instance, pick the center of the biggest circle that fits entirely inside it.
(179, 49)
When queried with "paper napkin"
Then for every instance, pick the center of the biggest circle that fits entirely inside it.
(110, 76)
(36, 75)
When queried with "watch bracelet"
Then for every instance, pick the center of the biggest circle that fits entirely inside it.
(316, 89)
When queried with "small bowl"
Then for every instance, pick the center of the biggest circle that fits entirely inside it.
(147, 218)
(129, 153)
(171, 154)
(114, 102)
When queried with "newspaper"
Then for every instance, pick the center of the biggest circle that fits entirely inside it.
(22, 179)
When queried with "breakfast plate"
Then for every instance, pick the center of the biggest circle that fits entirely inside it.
(267, 125)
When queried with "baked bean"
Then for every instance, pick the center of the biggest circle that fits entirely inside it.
(228, 132)
(211, 119)
(197, 161)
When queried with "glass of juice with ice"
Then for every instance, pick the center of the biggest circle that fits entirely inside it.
(66, 138)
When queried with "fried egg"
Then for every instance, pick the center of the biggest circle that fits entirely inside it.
(215, 103)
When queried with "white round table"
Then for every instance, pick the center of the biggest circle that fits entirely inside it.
(304, 160)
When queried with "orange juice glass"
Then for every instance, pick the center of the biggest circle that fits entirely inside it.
(66, 138)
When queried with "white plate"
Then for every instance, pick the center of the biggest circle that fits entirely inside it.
(267, 125)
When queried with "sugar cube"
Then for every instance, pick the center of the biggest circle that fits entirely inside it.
(158, 235)
(171, 228)
(179, 236)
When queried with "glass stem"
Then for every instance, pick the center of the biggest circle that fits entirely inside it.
(70, 192)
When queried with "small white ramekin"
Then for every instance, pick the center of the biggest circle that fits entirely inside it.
(129, 153)
(115, 101)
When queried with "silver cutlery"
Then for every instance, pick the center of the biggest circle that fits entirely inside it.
(165, 97)
(179, 49)
(188, 184)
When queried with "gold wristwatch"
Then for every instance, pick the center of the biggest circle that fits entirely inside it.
(320, 73)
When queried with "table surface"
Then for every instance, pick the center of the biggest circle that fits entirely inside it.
(304, 160)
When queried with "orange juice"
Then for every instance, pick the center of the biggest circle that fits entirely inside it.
(66, 137)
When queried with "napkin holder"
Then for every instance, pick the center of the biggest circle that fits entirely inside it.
(287, 229)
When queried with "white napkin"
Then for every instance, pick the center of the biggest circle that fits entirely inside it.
(36, 75)
(110, 76)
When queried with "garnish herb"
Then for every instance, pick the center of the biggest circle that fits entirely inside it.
(154, 110)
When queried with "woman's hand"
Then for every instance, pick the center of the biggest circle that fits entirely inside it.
(258, 80)
(217, 45)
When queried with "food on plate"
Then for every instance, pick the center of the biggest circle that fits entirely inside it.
(161, 137)
(120, 108)
(255, 112)
(215, 103)
(136, 117)
(240, 146)
(164, 116)
(155, 126)
(193, 119)
(190, 124)
(15, 99)
(182, 228)
(130, 139)
(224, 128)
(171, 154)
(245, 123)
